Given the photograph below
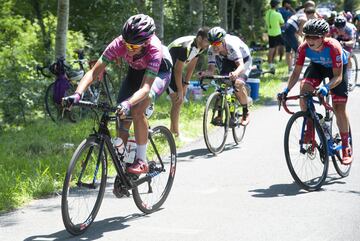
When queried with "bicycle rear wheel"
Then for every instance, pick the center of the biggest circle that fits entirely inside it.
(84, 186)
(55, 110)
(307, 163)
(161, 150)
(353, 73)
(216, 122)
(238, 130)
(342, 170)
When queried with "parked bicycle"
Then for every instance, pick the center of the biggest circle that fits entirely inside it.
(86, 177)
(65, 84)
(308, 157)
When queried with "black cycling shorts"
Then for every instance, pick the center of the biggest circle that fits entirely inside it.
(315, 73)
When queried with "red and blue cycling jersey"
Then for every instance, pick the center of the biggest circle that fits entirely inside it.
(150, 58)
(332, 55)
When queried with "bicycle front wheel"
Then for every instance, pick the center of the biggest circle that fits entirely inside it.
(161, 157)
(238, 130)
(216, 122)
(308, 163)
(352, 72)
(84, 186)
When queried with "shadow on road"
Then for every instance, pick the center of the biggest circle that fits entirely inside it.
(200, 153)
(278, 190)
(96, 230)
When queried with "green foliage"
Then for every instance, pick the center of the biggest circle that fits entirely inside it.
(33, 160)
(22, 90)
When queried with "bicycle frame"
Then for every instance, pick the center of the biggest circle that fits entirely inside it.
(331, 144)
(104, 137)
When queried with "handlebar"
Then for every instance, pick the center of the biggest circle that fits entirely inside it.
(222, 78)
(282, 100)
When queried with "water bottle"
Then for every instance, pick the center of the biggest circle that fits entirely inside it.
(149, 111)
(326, 127)
(119, 145)
(131, 150)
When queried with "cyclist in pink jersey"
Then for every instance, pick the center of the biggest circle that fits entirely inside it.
(147, 78)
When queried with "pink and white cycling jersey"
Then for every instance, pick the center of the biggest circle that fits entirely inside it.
(149, 59)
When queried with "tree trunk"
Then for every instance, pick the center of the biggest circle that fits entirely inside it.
(349, 5)
(232, 27)
(62, 27)
(158, 14)
(223, 14)
(45, 35)
(196, 11)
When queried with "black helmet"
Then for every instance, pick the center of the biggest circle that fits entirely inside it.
(138, 29)
(216, 34)
(316, 27)
(340, 21)
(274, 3)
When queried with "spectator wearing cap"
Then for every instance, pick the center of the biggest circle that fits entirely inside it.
(273, 20)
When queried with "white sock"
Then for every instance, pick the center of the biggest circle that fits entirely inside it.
(141, 152)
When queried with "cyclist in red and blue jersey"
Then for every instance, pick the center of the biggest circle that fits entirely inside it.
(328, 60)
(148, 77)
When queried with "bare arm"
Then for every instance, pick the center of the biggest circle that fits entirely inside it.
(90, 76)
(178, 68)
(294, 77)
(190, 69)
(144, 90)
(336, 80)
(239, 69)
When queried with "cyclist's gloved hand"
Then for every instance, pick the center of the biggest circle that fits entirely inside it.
(124, 108)
(324, 90)
(283, 94)
(72, 99)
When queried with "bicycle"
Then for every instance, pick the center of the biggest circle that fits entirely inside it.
(86, 176)
(220, 106)
(65, 84)
(308, 160)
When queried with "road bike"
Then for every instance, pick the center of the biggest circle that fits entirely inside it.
(310, 140)
(87, 173)
(222, 111)
(65, 85)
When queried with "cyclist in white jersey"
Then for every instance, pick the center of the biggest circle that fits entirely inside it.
(232, 57)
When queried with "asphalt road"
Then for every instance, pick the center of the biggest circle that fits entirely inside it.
(245, 193)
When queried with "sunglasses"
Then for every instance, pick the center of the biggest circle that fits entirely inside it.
(216, 44)
(133, 47)
(312, 37)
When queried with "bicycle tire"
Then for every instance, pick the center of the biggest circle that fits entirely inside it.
(353, 74)
(55, 110)
(214, 137)
(149, 196)
(87, 161)
(307, 161)
(342, 170)
(238, 130)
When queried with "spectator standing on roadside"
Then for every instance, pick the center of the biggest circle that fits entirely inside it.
(286, 12)
(273, 20)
